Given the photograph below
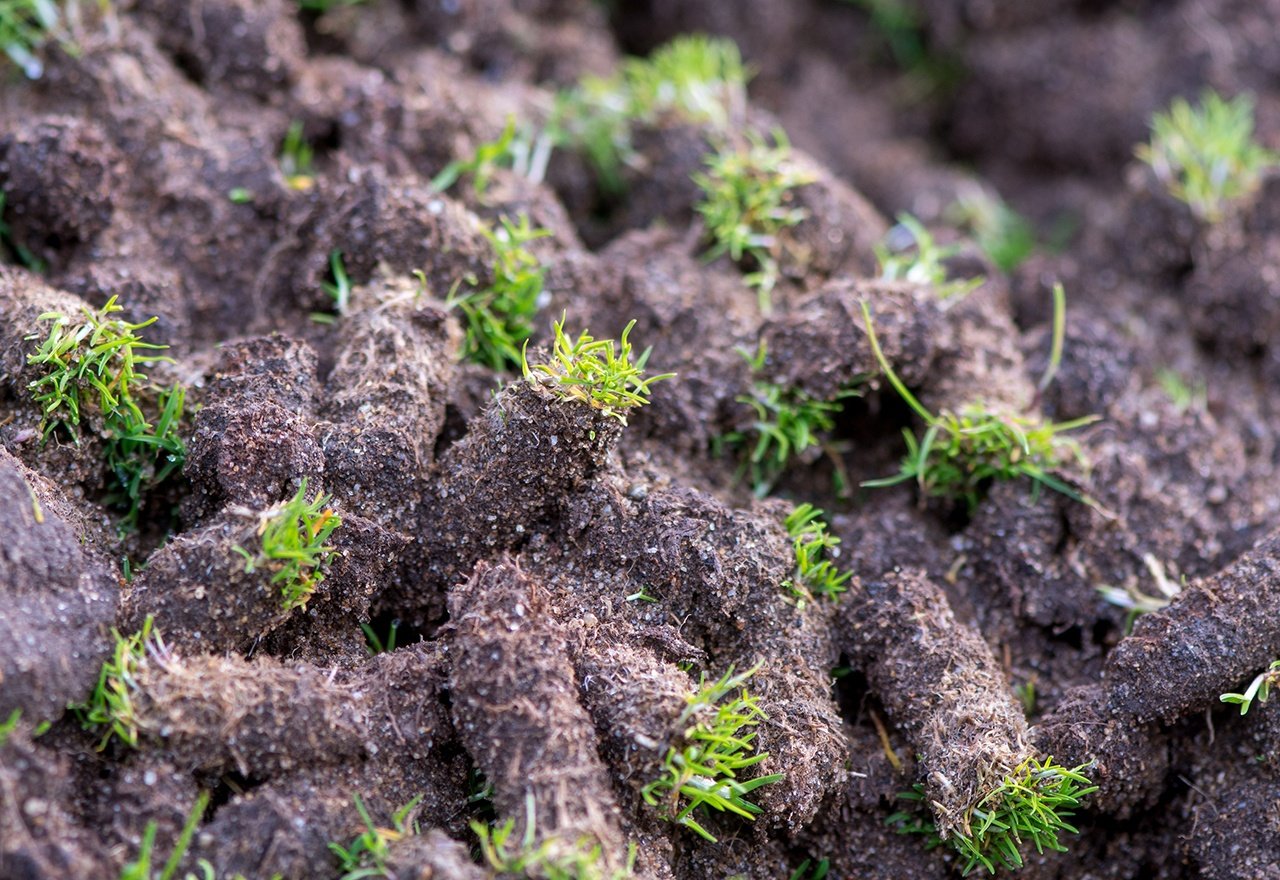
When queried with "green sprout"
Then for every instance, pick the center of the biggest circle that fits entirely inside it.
(140, 868)
(1135, 601)
(376, 644)
(25, 26)
(809, 870)
(553, 859)
(788, 422)
(9, 725)
(695, 79)
(96, 364)
(500, 316)
(900, 24)
(111, 702)
(366, 855)
(1032, 805)
(1180, 392)
(293, 536)
(522, 152)
(923, 265)
(101, 357)
(747, 206)
(296, 158)
(326, 5)
(1002, 233)
(815, 574)
(961, 452)
(339, 289)
(716, 748)
(1206, 156)
(598, 372)
(1259, 688)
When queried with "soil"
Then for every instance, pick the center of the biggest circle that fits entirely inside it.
(559, 581)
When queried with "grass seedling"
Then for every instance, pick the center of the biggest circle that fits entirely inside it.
(9, 725)
(694, 79)
(96, 365)
(1003, 235)
(747, 206)
(110, 705)
(320, 6)
(366, 855)
(553, 859)
(25, 26)
(920, 260)
(296, 157)
(1032, 805)
(960, 453)
(339, 289)
(598, 372)
(787, 423)
(815, 575)
(809, 870)
(1180, 392)
(1135, 601)
(524, 153)
(1259, 689)
(1205, 155)
(140, 868)
(293, 536)
(376, 644)
(500, 316)
(99, 358)
(715, 746)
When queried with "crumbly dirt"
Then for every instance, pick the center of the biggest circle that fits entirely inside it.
(557, 581)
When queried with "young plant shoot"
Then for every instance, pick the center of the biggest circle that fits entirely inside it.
(293, 536)
(920, 260)
(92, 372)
(110, 705)
(1031, 806)
(716, 746)
(500, 315)
(816, 575)
(747, 205)
(960, 452)
(1206, 155)
(597, 372)
(1259, 689)
(788, 422)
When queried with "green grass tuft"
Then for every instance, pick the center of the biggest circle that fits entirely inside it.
(25, 27)
(1002, 233)
(816, 575)
(110, 705)
(716, 746)
(694, 79)
(500, 316)
(140, 868)
(524, 153)
(293, 536)
(553, 859)
(95, 366)
(598, 372)
(746, 204)
(297, 158)
(1031, 806)
(960, 453)
(922, 262)
(788, 422)
(1259, 689)
(1206, 155)
(366, 855)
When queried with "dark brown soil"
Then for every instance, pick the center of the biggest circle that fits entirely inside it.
(558, 581)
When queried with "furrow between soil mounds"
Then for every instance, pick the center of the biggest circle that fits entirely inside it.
(1210, 640)
(941, 686)
(516, 709)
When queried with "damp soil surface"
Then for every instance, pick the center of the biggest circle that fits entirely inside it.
(525, 591)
